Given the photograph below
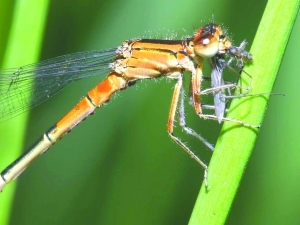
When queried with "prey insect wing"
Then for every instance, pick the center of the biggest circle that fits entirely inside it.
(217, 81)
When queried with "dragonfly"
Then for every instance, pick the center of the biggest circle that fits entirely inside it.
(133, 60)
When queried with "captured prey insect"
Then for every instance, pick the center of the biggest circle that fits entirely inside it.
(134, 60)
(218, 64)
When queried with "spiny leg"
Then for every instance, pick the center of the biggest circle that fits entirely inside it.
(240, 122)
(182, 122)
(213, 117)
(170, 126)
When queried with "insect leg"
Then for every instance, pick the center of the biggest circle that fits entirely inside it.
(170, 126)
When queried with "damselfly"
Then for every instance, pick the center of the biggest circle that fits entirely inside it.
(134, 60)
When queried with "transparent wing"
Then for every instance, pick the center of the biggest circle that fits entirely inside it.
(217, 65)
(28, 86)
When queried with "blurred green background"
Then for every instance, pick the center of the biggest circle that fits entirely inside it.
(119, 166)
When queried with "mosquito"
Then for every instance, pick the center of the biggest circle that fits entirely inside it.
(134, 60)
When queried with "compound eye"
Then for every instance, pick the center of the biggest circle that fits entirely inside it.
(206, 41)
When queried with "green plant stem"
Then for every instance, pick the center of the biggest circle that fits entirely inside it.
(23, 47)
(235, 143)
